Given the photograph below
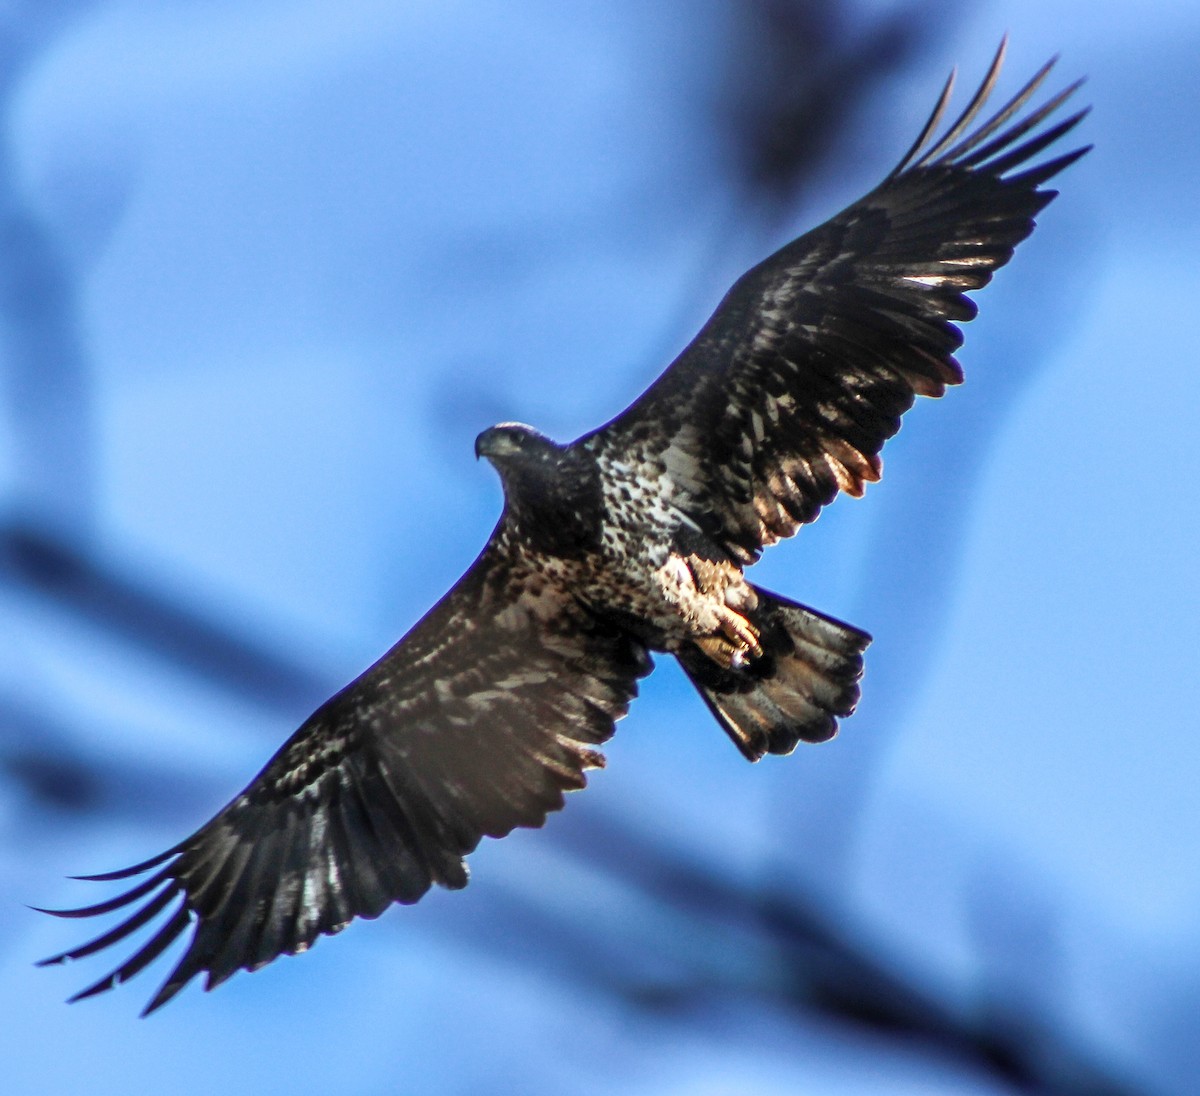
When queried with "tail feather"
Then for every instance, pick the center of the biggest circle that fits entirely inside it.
(806, 679)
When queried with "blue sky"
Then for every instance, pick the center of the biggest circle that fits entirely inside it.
(307, 258)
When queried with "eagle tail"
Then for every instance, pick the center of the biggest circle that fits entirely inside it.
(806, 679)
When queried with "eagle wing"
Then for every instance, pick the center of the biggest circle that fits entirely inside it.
(475, 723)
(788, 393)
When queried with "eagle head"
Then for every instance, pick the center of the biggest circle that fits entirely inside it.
(513, 444)
(551, 491)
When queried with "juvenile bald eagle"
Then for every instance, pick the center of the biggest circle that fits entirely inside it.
(629, 540)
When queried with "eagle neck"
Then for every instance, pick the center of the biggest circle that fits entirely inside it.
(556, 507)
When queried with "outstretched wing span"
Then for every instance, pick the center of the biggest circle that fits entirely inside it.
(475, 723)
(788, 393)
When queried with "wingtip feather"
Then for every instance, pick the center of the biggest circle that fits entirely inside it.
(125, 873)
(930, 127)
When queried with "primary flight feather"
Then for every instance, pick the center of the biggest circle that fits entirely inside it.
(629, 540)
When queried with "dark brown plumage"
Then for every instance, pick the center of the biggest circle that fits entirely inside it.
(631, 539)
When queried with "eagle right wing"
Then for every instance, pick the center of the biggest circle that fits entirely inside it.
(475, 723)
(788, 393)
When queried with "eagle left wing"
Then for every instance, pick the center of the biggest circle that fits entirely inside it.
(788, 393)
(475, 723)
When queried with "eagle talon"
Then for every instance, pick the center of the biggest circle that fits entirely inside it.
(736, 643)
(721, 651)
(741, 633)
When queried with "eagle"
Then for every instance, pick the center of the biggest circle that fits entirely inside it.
(630, 540)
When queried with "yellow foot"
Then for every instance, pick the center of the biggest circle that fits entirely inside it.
(738, 639)
(740, 632)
